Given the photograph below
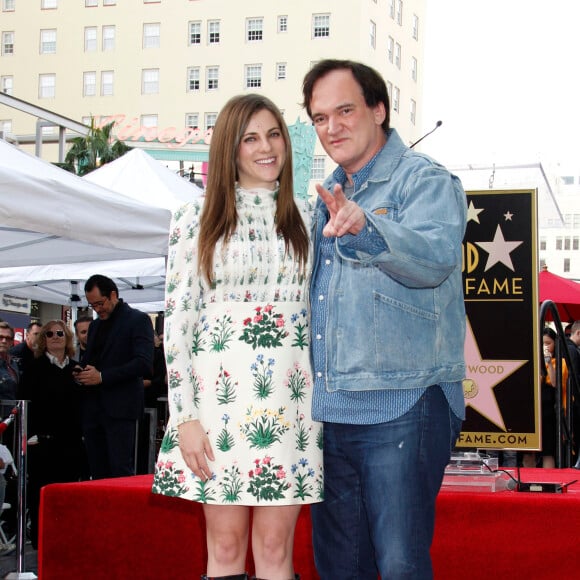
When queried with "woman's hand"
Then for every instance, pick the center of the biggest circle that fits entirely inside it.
(195, 448)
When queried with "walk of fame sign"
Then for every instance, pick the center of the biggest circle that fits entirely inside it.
(500, 273)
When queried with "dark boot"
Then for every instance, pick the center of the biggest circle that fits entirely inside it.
(243, 576)
(296, 577)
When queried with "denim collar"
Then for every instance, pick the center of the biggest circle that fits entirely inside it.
(388, 157)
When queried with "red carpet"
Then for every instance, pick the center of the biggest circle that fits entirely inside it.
(116, 529)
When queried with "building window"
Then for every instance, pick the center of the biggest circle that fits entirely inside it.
(575, 243)
(558, 243)
(192, 120)
(48, 41)
(213, 31)
(194, 33)
(415, 29)
(150, 81)
(107, 83)
(390, 90)
(90, 38)
(320, 25)
(318, 170)
(109, 2)
(149, 121)
(47, 86)
(254, 29)
(399, 15)
(392, 9)
(391, 49)
(396, 99)
(414, 68)
(152, 35)
(212, 77)
(413, 111)
(567, 179)
(91, 3)
(7, 84)
(373, 34)
(6, 125)
(109, 37)
(398, 55)
(280, 71)
(8, 5)
(566, 264)
(193, 79)
(210, 119)
(48, 4)
(89, 84)
(567, 243)
(7, 43)
(542, 243)
(253, 76)
(283, 23)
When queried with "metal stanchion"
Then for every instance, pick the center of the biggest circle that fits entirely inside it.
(21, 446)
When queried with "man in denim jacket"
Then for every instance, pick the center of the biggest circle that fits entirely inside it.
(388, 327)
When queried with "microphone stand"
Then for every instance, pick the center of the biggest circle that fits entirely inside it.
(437, 125)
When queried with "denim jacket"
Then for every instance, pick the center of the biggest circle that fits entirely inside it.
(396, 317)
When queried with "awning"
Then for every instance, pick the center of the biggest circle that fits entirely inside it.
(176, 154)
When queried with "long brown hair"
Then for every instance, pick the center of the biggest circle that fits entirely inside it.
(219, 217)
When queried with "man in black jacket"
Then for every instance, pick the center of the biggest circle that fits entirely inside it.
(23, 353)
(119, 353)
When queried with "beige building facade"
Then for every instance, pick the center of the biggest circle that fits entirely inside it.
(162, 69)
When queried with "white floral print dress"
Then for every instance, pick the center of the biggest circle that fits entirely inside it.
(238, 360)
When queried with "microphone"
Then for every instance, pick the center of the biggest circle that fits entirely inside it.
(505, 484)
(6, 423)
(437, 125)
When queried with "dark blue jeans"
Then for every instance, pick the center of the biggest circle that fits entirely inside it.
(380, 486)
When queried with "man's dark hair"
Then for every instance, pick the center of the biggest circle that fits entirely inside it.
(104, 284)
(33, 323)
(370, 81)
(82, 319)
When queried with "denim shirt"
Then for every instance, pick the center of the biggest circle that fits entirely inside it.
(396, 318)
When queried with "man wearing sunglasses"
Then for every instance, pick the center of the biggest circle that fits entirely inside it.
(119, 353)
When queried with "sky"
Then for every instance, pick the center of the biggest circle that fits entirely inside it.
(504, 77)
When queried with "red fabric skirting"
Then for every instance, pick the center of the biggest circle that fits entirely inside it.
(113, 529)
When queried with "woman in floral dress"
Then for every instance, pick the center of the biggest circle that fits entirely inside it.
(240, 434)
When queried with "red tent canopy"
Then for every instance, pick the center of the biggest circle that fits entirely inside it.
(563, 292)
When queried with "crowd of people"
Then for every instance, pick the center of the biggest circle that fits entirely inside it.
(85, 401)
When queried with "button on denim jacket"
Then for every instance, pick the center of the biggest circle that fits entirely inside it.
(396, 318)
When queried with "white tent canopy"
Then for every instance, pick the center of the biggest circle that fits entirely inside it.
(138, 175)
(50, 216)
(143, 292)
(140, 282)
